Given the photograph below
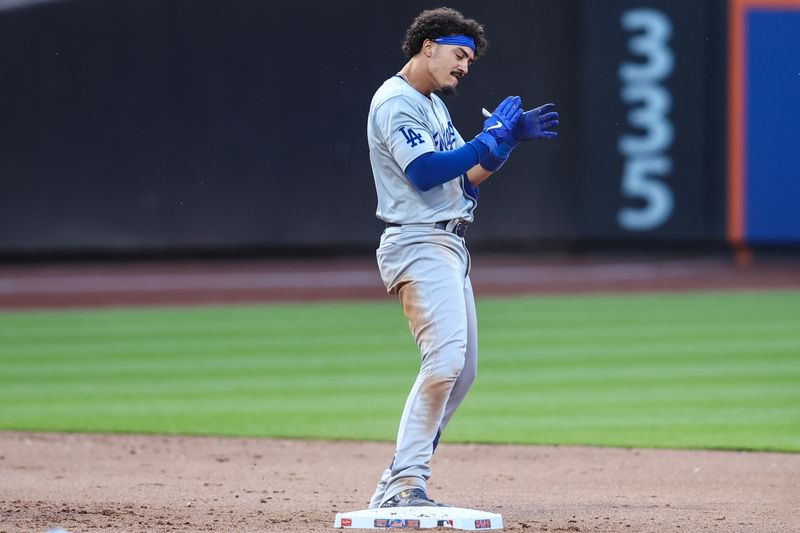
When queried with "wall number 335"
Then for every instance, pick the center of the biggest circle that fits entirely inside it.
(647, 162)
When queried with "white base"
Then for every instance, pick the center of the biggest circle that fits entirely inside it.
(419, 518)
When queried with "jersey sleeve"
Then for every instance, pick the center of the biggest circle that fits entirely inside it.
(403, 128)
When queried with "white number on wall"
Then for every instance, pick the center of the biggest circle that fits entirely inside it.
(647, 162)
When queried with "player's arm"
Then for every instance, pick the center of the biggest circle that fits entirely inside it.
(477, 175)
(435, 168)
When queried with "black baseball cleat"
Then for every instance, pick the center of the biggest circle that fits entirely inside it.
(411, 498)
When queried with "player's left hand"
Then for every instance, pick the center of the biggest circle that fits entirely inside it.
(504, 119)
(537, 123)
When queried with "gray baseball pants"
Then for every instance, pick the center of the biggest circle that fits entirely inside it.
(428, 269)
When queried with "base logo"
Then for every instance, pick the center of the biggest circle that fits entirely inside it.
(483, 524)
(347, 522)
(444, 523)
(396, 523)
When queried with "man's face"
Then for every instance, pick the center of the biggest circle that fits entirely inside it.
(449, 64)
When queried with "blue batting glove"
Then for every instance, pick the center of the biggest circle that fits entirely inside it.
(497, 128)
(537, 124)
(497, 157)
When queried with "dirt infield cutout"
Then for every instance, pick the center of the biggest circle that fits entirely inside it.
(138, 483)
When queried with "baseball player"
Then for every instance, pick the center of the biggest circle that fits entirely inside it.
(427, 179)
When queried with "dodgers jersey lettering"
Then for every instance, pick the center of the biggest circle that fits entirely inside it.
(404, 124)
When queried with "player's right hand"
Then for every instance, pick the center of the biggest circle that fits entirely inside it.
(537, 124)
(502, 121)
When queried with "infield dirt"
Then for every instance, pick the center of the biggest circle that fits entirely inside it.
(138, 483)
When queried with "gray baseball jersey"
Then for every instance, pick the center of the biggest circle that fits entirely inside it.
(404, 124)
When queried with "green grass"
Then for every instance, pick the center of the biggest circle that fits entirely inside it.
(695, 370)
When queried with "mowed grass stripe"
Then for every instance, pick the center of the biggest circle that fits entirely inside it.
(597, 311)
(639, 370)
(146, 359)
(212, 341)
(735, 387)
(283, 318)
(783, 364)
(521, 332)
(688, 395)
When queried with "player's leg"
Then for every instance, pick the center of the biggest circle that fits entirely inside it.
(432, 294)
(460, 388)
(470, 370)
(380, 490)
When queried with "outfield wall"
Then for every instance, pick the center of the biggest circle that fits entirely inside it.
(202, 125)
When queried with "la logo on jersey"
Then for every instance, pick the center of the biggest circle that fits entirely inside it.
(413, 138)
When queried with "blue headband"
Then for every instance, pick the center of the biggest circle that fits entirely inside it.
(459, 40)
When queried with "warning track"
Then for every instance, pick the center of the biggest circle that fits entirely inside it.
(193, 282)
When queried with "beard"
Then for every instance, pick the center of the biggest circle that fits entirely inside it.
(449, 90)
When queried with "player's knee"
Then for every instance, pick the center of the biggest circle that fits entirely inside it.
(448, 366)
(467, 376)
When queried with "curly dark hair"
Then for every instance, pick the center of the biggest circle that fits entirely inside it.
(434, 23)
